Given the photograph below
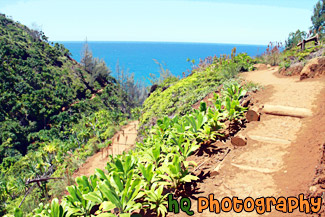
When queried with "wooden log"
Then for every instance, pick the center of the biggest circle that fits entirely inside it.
(287, 111)
(239, 140)
(270, 139)
(253, 114)
(43, 179)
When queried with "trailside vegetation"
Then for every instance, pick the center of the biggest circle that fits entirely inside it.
(64, 112)
(173, 97)
(142, 178)
(54, 113)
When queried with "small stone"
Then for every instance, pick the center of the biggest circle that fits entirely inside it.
(214, 173)
(313, 188)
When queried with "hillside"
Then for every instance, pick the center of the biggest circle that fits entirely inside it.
(37, 81)
(50, 107)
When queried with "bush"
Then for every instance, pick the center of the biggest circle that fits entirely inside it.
(272, 54)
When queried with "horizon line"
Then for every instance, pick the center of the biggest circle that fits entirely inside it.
(184, 42)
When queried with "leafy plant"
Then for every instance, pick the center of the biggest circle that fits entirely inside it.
(176, 173)
(122, 165)
(122, 192)
(149, 174)
(156, 199)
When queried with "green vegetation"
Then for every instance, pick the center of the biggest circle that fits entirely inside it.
(140, 178)
(294, 38)
(54, 113)
(59, 112)
(176, 97)
(296, 55)
(272, 55)
(318, 18)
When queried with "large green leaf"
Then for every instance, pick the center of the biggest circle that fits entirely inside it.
(107, 206)
(93, 196)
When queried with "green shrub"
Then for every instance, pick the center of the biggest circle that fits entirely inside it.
(180, 96)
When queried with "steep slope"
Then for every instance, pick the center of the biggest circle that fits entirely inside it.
(54, 113)
(37, 81)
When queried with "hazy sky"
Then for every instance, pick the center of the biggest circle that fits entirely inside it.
(216, 21)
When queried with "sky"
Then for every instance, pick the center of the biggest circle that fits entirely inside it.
(209, 21)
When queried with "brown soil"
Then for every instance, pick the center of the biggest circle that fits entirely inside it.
(261, 66)
(315, 67)
(282, 163)
(121, 141)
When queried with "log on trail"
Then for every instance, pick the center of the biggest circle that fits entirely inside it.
(269, 139)
(239, 140)
(253, 114)
(287, 111)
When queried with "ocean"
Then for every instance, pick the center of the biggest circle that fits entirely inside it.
(138, 57)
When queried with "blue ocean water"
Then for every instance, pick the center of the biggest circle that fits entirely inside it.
(138, 57)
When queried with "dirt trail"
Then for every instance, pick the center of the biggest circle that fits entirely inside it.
(276, 161)
(120, 142)
(279, 158)
(262, 166)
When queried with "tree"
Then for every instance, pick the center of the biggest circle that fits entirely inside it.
(96, 68)
(318, 18)
(294, 38)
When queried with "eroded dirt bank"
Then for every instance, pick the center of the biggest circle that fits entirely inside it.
(121, 141)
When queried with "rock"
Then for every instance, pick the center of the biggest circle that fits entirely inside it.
(214, 173)
(239, 140)
(320, 180)
(260, 66)
(165, 88)
(268, 66)
(314, 67)
(152, 89)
